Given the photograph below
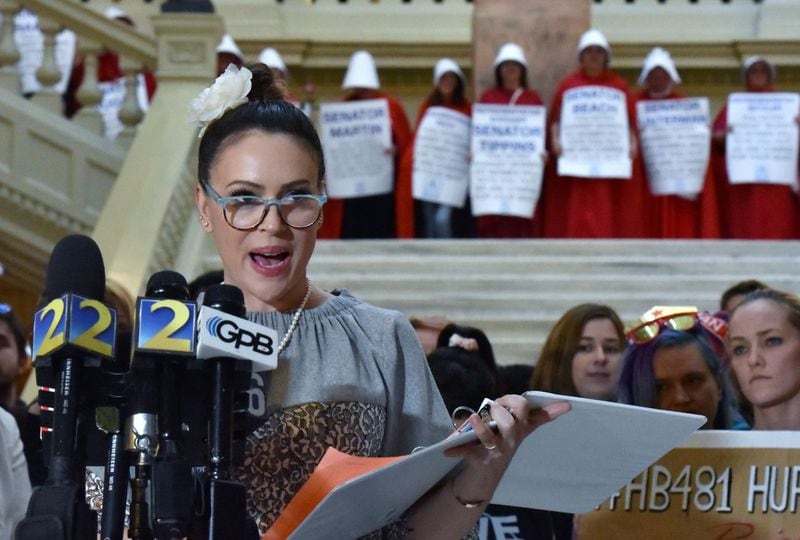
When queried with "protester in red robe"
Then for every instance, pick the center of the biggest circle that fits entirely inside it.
(511, 88)
(432, 220)
(675, 216)
(108, 70)
(373, 216)
(593, 207)
(752, 210)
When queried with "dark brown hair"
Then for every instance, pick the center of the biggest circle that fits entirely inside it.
(266, 111)
(553, 371)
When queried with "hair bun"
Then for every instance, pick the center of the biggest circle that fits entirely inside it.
(265, 87)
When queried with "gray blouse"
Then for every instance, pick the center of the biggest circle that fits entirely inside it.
(354, 377)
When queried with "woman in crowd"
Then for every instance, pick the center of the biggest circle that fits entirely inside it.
(582, 354)
(679, 215)
(349, 374)
(764, 351)
(581, 357)
(752, 210)
(592, 207)
(373, 216)
(432, 220)
(510, 88)
(670, 364)
(13, 360)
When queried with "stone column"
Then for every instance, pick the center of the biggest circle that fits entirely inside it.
(145, 217)
(547, 30)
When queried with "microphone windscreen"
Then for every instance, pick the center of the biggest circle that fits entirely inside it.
(75, 266)
(227, 298)
(167, 284)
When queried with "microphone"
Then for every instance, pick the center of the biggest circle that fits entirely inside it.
(72, 331)
(228, 341)
(164, 338)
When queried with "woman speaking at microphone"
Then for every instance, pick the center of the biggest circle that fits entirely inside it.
(349, 375)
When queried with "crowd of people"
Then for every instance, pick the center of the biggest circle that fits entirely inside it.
(569, 206)
(739, 367)
(586, 206)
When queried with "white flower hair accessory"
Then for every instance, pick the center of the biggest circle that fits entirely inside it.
(228, 91)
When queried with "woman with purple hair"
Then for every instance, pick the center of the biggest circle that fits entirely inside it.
(671, 364)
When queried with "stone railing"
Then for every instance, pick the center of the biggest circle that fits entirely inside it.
(87, 34)
(59, 176)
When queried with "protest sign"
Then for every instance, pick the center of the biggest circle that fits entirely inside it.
(355, 138)
(441, 146)
(594, 133)
(507, 159)
(675, 141)
(719, 484)
(761, 145)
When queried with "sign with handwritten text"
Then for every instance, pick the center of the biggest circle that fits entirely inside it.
(441, 147)
(594, 133)
(357, 140)
(675, 141)
(718, 485)
(507, 159)
(761, 145)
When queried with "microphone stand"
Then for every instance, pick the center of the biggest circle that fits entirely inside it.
(227, 498)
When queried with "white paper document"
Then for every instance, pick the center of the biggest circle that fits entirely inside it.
(594, 133)
(761, 145)
(507, 159)
(675, 141)
(569, 465)
(441, 146)
(356, 137)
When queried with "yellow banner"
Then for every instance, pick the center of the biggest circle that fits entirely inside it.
(721, 485)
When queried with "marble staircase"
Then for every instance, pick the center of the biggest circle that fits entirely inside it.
(516, 290)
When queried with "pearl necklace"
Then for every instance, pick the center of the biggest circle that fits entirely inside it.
(285, 341)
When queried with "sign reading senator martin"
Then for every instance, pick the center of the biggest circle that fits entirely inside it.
(718, 485)
(507, 159)
(355, 138)
(441, 169)
(594, 133)
(761, 146)
(675, 142)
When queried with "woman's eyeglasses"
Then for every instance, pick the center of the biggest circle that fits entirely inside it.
(246, 212)
(648, 331)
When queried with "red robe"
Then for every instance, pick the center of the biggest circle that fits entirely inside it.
(673, 216)
(751, 211)
(496, 226)
(334, 210)
(405, 227)
(107, 70)
(593, 207)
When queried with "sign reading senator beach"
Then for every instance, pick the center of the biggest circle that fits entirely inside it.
(761, 145)
(594, 133)
(356, 139)
(507, 159)
(718, 485)
(675, 142)
(441, 168)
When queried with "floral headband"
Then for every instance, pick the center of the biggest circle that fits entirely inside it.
(228, 92)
